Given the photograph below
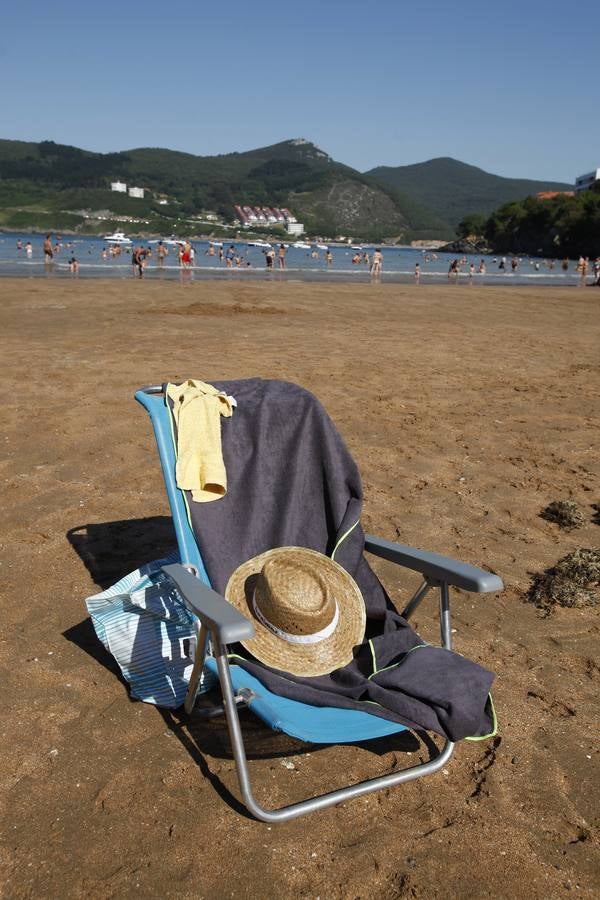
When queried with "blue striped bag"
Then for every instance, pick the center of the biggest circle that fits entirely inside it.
(143, 623)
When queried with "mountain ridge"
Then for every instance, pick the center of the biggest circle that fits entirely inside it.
(453, 189)
(418, 201)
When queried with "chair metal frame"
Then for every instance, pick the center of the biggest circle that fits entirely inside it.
(221, 624)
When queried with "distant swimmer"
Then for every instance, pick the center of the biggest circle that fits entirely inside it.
(73, 266)
(48, 252)
(19, 245)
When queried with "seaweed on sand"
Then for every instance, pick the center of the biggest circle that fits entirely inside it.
(565, 513)
(573, 582)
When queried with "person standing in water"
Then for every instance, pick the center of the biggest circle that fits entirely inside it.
(48, 252)
(377, 262)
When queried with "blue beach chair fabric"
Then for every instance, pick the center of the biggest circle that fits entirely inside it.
(225, 626)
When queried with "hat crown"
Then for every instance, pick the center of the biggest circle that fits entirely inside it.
(294, 597)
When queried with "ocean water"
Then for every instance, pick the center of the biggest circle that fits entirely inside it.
(398, 264)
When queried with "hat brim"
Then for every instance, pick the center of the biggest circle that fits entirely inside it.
(305, 660)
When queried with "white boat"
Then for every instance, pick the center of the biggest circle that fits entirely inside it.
(356, 247)
(118, 237)
(171, 242)
(260, 244)
(322, 247)
(300, 246)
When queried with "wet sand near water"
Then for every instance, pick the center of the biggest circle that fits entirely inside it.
(468, 410)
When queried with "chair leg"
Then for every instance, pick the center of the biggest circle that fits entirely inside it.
(200, 655)
(324, 800)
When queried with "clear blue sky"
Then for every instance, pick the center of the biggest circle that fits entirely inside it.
(511, 87)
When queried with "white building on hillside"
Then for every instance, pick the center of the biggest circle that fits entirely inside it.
(136, 192)
(119, 186)
(295, 227)
(584, 182)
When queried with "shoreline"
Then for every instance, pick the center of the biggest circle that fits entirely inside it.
(169, 273)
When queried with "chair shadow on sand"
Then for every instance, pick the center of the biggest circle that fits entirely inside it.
(109, 550)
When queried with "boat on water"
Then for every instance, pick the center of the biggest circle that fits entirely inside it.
(260, 244)
(300, 246)
(356, 247)
(171, 242)
(322, 247)
(118, 237)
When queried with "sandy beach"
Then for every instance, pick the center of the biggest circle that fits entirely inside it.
(468, 410)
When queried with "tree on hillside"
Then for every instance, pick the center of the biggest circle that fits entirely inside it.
(473, 225)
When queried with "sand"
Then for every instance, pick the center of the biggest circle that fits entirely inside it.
(468, 410)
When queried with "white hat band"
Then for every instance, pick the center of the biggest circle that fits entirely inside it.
(314, 638)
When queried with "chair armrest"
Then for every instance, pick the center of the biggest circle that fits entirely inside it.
(434, 566)
(223, 620)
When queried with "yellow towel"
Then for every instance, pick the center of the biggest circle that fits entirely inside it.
(197, 409)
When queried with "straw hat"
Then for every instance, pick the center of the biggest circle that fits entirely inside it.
(308, 611)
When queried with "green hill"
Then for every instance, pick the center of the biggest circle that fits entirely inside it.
(453, 189)
(38, 181)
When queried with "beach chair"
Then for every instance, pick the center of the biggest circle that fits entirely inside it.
(220, 625)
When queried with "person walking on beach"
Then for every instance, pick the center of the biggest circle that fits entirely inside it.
(48, 252)
(377, 262)
(417, 272)
(281, 255)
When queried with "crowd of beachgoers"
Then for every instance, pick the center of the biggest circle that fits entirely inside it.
(105, 256)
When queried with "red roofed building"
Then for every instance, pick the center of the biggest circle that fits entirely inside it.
(549, 195)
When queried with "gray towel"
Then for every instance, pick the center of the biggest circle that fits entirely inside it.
(292, 482)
